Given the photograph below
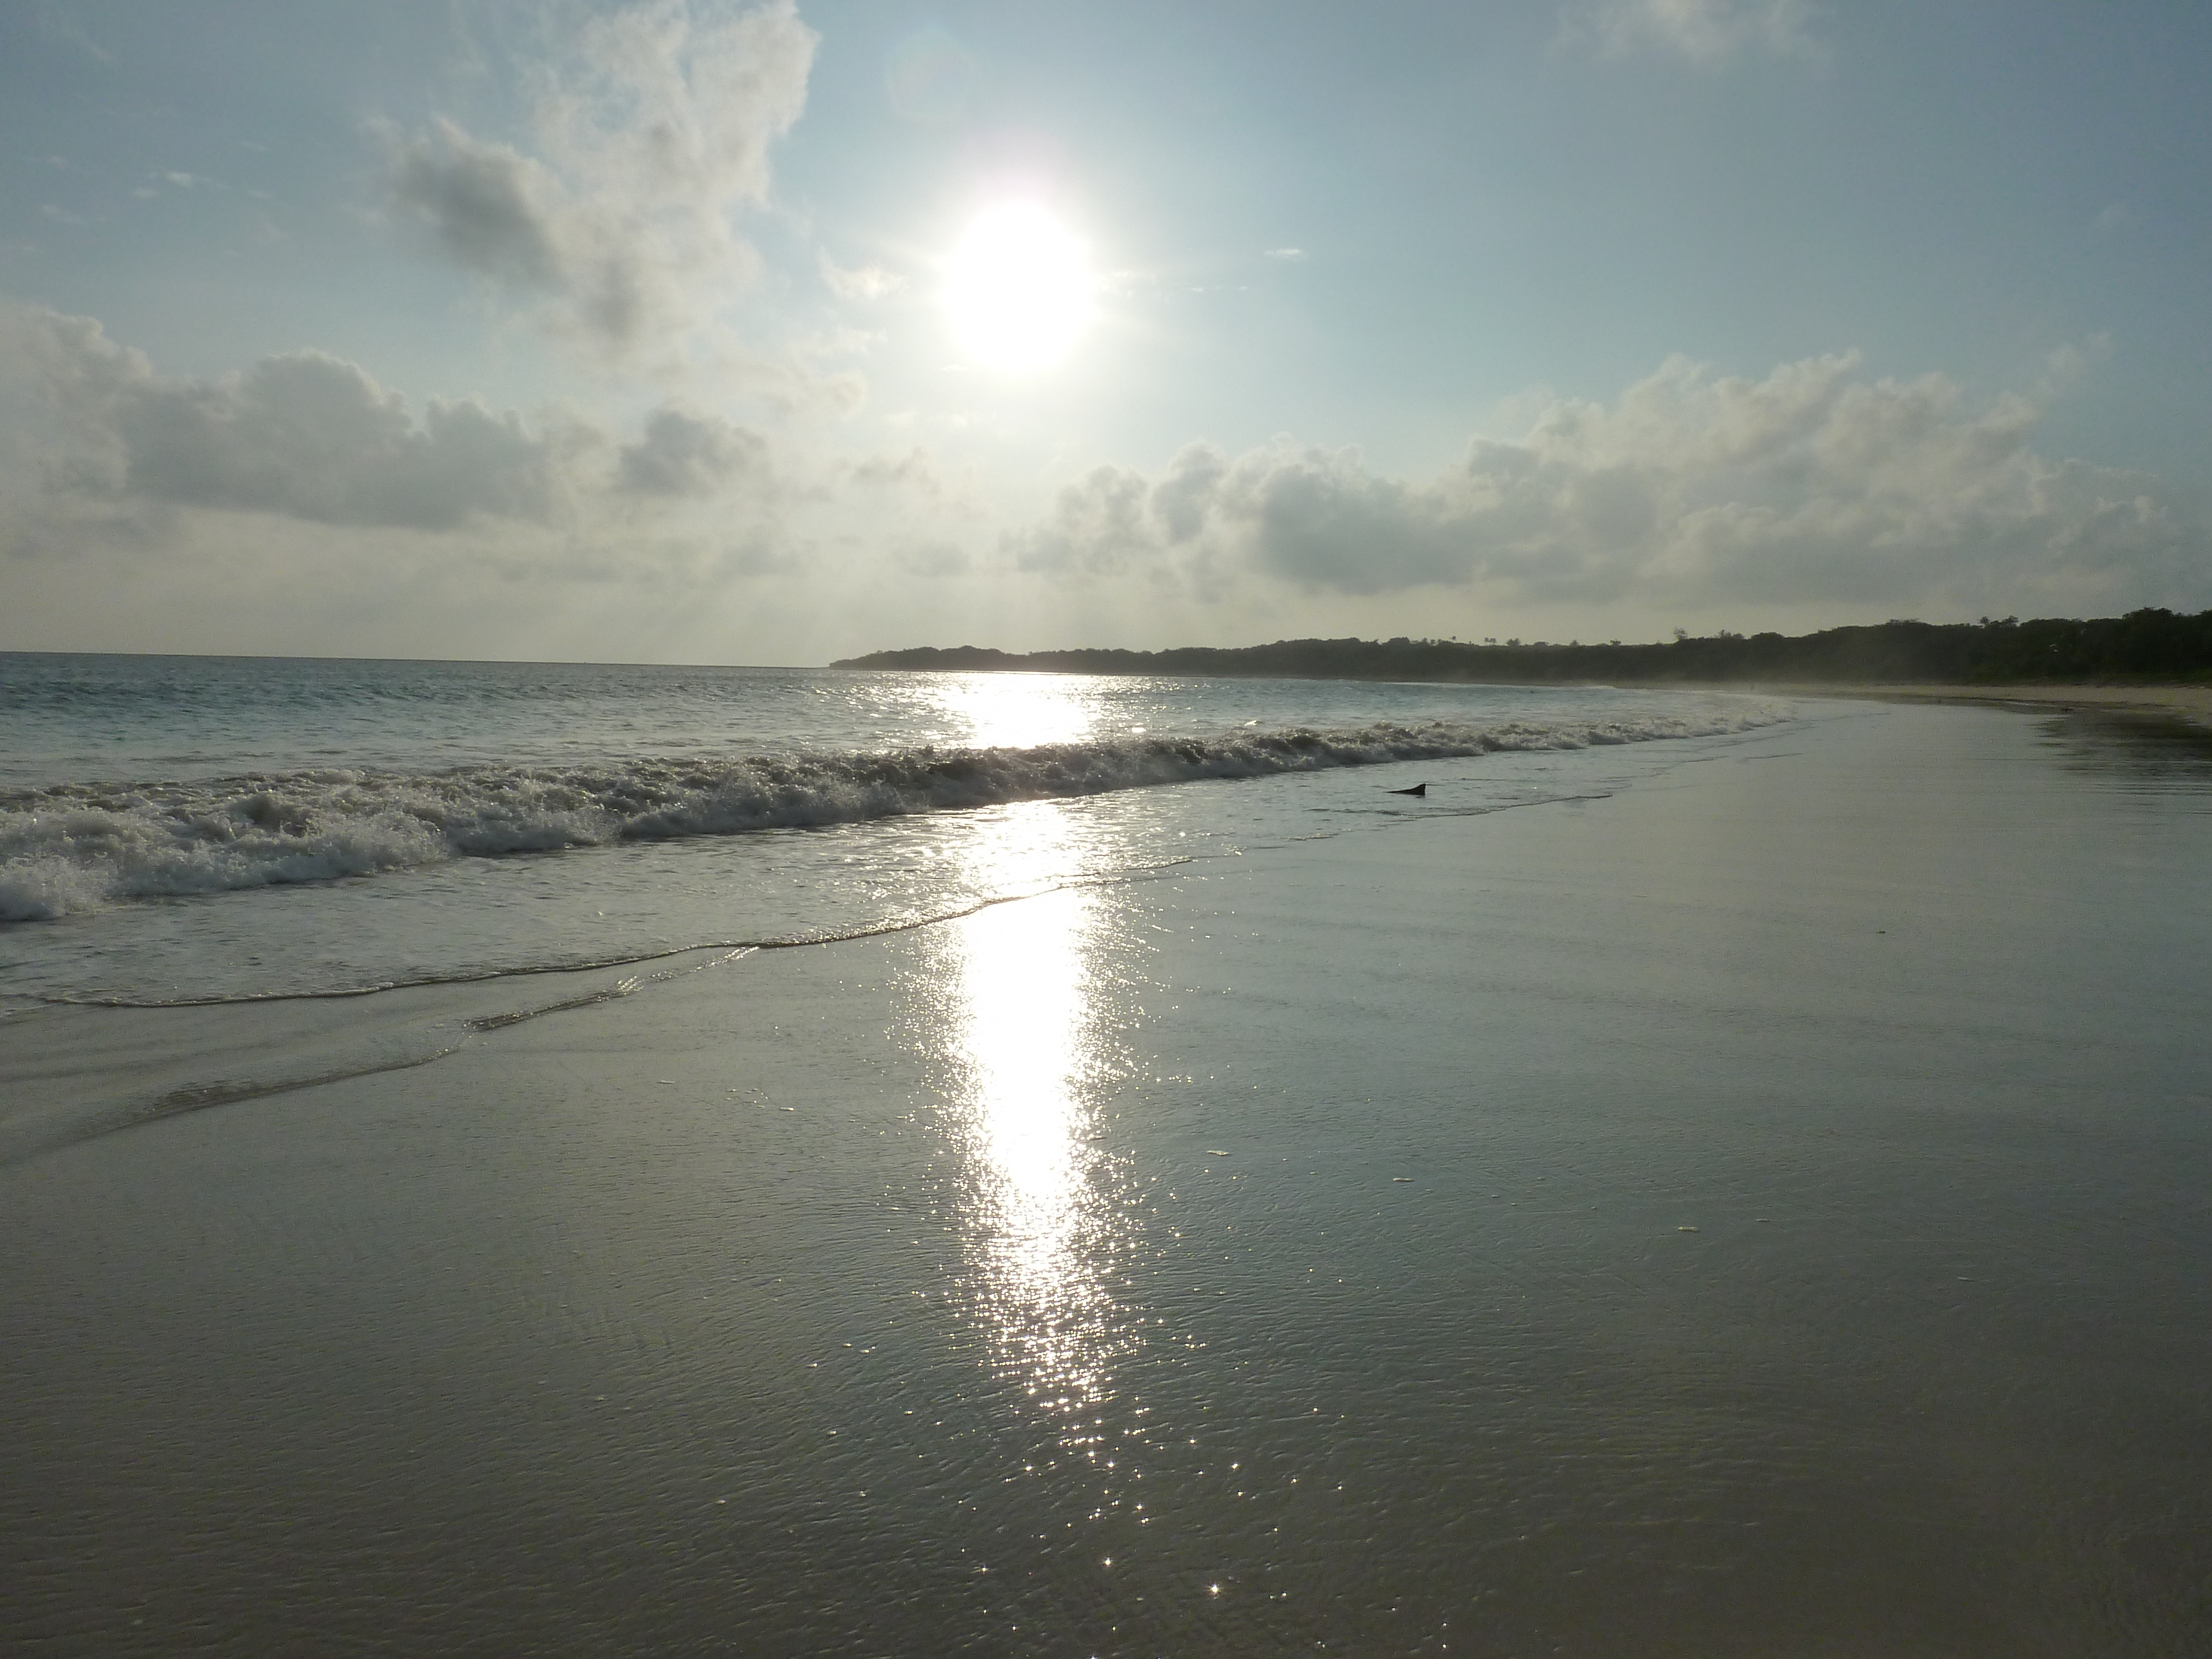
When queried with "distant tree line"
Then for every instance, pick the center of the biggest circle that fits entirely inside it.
(2143, 646)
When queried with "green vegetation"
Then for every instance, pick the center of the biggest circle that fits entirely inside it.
(2143, 646)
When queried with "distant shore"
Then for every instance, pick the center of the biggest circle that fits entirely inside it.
(2147, 649)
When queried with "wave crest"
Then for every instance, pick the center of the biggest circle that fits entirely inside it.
(72, 848)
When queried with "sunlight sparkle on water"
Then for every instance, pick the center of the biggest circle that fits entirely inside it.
(1025, 1037)
(1020, 711)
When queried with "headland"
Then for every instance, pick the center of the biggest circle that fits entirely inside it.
(2150, 660)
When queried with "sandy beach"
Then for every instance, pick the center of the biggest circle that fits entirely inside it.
(2191, 703)
(1759, 1211)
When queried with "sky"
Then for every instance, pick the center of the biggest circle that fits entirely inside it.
(690, 331)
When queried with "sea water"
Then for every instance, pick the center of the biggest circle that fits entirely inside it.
(177, 828)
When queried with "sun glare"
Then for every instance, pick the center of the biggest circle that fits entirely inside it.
(1018, 289)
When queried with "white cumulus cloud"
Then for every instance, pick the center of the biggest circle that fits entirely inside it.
(1813, 484)
(310, 437)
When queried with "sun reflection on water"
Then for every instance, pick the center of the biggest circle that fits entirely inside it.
(1021, 711)
(1028, 1045)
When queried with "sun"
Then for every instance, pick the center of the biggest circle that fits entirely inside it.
(1018, 289)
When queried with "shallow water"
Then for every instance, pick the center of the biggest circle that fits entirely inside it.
(182, 828)
(1758, 1211)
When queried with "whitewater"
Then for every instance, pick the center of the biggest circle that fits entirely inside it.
(183, 829)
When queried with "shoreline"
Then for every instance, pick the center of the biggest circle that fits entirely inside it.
(2189, 703)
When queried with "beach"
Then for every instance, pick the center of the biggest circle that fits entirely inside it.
(2189, 703)
(1754, 1207)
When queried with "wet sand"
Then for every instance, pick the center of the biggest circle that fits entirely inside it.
(2191, 703)
(1761, 1212)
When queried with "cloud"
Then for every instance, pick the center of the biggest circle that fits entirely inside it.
(54, 21)
(1289, 256)
(692, 455)
(488, 208)
(1812, 484)
(1100, 524)
(866, 283)
(648, 140)
(303, 435)
(931, 560)
(916, 470)
(1179, 501)
(1706, 32)
(309, 437)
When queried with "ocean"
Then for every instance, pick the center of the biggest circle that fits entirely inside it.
(197, 827)
(592, 1160)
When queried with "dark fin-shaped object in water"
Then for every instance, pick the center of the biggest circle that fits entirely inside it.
(1417, 789)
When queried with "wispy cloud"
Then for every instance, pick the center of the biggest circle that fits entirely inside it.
(2115, 219)
(648, 140)
(869, 282)
(55, 23)
(1706, 33)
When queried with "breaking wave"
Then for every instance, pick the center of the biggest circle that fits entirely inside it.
(72, 848)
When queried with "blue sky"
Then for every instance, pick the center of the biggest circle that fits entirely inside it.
(621, 332)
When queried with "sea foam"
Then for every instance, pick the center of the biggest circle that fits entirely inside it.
(71, 849)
